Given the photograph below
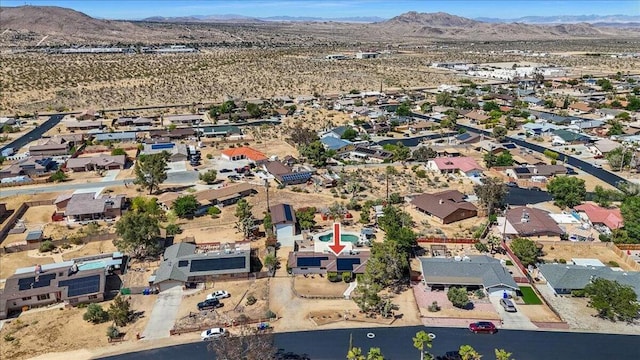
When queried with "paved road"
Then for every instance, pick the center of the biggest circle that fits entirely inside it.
(396, 344)
(34, 134)
(163, 315)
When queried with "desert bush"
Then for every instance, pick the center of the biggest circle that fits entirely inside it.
(46, 246)
(458, 297)
(270, 314)
(434, 307)
(347, 276)
(251, 299)
(95, 314)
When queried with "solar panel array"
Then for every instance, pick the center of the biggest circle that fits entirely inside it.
(347, 264)
(31, 283)
(301, 176)
(218, 264)
(81, 286)
(311, 261)
(287, 213)
(162, 146)
(183, 263)
(509, 146)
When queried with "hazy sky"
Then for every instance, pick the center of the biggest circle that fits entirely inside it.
(137, 9)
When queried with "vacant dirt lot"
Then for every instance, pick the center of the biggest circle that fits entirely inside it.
(569, 250)
(314, 285)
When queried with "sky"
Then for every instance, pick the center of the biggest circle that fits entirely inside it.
(138, 9)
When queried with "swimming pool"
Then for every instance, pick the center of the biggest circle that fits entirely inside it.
(91, 265)
(343, 237)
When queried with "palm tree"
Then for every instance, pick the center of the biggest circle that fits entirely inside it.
(355, 353)
(502, 354)
(420, 341)
(375, 354)
(469, 353)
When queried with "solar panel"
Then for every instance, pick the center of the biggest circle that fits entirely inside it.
(183, 263)
(302, 176)
(162, 146)
(311, 261)
(31, 283)
(81, 286)
(347, 264)
(287, 213)
(509, 146)
(521, 170)
(238, 262)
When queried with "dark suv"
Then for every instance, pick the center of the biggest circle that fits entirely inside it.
(209, 304)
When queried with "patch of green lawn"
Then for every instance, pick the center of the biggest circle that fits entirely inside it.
(529, 296)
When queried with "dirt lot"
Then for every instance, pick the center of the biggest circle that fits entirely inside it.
(42, 331)
(538, 313)
(314, 285)
(569, 250)
(10, 262)
(483, 309)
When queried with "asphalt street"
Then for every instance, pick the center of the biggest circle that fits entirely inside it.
(396, 344)
(34, 134)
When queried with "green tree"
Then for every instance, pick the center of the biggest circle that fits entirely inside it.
(118, 151)
(444, 99)
(375, 354)
(463, 103)
(137, 233)
(246, 221)
(95, 314)
(404, 109)
(270, 261)
(397, 225)
(422, 341)
(633, 102)
(59, 176)
(113, 332)
(120, 311)
(388, 264)
(254, 110)
(526, 250)
(424, 154)
(604, 197)
(504, 159)
(630, 210)
(355, 353)
(615, 128)
(349, 134)
(510, 123)
(146, 205)
(499, 133)
(306, 218)
(458, 297)
(491, 193)
(366, 294)
(426, 107)
(605, 84)
(389, 172)
(469, 353)
(612, 300)
(208, 177)
(399, 150)
(267, 222)
(316, 153)
(303, 136)
(619, 158)
(490, 106)
(185, 206)
(567, 191)
(151, 170)
(502, 354)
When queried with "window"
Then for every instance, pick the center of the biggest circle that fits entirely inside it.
(93, 297)
(27, 298)
(43, 297)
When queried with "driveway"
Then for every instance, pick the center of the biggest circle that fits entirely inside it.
(163, 315)
(511, 320)
(176, 166)
(110, 175)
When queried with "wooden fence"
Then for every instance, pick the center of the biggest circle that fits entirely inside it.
(447, 241)
(17, 214)
(517, 262)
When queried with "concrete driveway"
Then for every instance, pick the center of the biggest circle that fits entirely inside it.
(511, 320)
(163, 315)
(176, 166)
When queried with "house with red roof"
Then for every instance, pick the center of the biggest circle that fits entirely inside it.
(243, 153)
(450, 165)
(611, 218)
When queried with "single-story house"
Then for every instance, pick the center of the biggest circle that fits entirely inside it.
(243, 153)
(49, 149)
(362, 153)
(177, 151)
(283, 218)
(219, 130)
(224, 196)
(101, 162)
(468, 138)
(89, 206)
(447, 206)
(184, 263)
(462, 164)
(285, 175)
(529, 222)
(307, 261)
(336, 132)
(539, 128)
(191, 119)
(604, 146)
(531, 172)
(532, 100)
(580, 107)
(139, 121)
(124, 136)
(84, 125)
(88, 114)
(178, 133)
(563, 137)
(476, 116)
(31, 166)
(562, 279)
(597, 215)
(472, 272)
(334, 143)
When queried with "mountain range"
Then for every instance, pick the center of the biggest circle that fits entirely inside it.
(236, 17)
(568, 19)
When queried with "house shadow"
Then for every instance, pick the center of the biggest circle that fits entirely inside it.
(6, 215)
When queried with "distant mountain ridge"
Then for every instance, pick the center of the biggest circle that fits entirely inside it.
(567, 19)
(231, 17)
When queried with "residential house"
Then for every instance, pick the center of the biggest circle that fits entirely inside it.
(597, 215)
(139, 121)
(49, 149)
(580, 107)
(562, 279)
(184, 263)
(491, 146)
(539, 173)
(219, 131)
(529, 222)
(33, 166)
(603, 147)
(90, 206)
(101, 162)
(532, 100)
(539, 128)
(89, 114)
(371, 155)
(447, 206)
(477, 116)
(224, 196)
(423, 125)
(334, 143)
(187, 119)
(84, 125)
(305, 260)
(178, 133)
(448, 165)
(177, 151)
(468, 138)
(472, 272)
(283, 218)
(284, 175)
(243, 153)
(564, 137)
(336, 132)
(125, 136)
(608, 114)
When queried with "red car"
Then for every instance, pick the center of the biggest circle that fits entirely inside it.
(483, 327)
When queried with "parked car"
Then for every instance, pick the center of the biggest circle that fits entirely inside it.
(209, 304)
(483, 327)
(535, 188)
(212, 334)
(508, 305)
(218, 294)
(571, 171)
(249, 175)
(233, 177)
(512, 184)
(225, 171)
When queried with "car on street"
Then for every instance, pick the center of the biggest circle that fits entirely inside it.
(508, 305)
(209, 304)
(512, 184)
(214, 333)
(571, 171)
(535, 188)
(233, 177)
(218, 294)
(483, 327)
(225, 171)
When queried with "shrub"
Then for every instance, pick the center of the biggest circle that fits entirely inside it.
(578, 293)
(346, 276)
(509, 263)
(9, 337)
(479, 294)
(95, 314)
(251, 299)
(113, 332)
(209, 156)
(481, 247)
(604, 238)
(173, 229)
(458, 297)
(46, 246)
(75, 240)
(562, 261)
(334, 277)
(434, 307)
(213, 210)
(613, 264)
(270, 314)
(120, 311)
